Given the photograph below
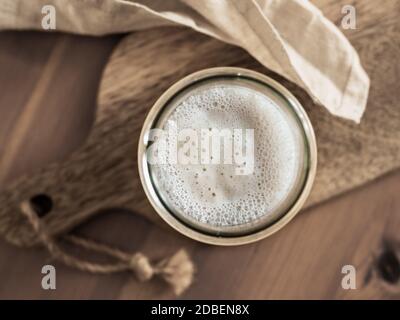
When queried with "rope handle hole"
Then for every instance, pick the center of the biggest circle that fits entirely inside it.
(42, 204)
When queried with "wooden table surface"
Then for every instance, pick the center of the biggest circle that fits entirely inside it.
(46, 114)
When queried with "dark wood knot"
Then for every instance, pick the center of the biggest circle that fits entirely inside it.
(388, 265)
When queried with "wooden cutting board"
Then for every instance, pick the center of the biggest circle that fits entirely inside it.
(103, 172)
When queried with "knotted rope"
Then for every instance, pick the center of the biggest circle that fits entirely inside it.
(177, 270)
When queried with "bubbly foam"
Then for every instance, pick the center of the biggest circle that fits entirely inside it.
(213, 194)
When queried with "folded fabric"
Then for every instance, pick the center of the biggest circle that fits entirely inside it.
(290, 37)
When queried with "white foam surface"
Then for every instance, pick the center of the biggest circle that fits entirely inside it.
(215, 194)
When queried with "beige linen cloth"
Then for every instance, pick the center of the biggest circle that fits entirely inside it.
(290, 37)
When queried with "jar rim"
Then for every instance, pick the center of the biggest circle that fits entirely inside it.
(261, 230)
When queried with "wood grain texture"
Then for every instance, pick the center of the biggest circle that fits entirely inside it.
(292, 264)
